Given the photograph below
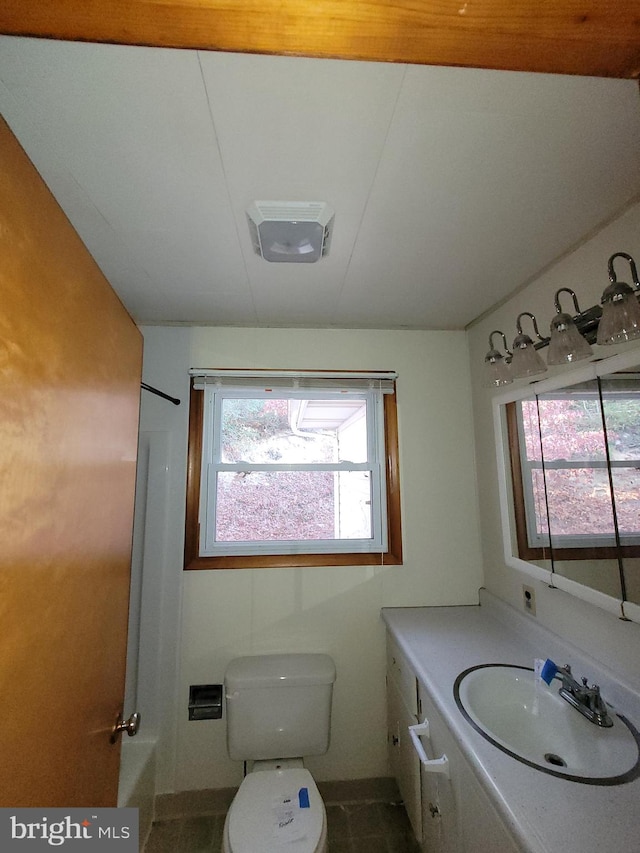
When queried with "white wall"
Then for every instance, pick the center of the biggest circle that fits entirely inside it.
(208, 617)
(615, 643)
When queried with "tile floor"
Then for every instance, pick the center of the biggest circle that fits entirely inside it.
(363, 827)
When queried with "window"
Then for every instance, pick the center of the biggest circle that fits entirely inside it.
(575, 457)
(292, 469)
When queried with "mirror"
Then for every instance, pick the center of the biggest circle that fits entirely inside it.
(570, 472)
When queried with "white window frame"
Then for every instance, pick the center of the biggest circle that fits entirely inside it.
(216, 391)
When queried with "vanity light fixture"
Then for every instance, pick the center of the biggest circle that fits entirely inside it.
(620, 308)
(526, 361)
(617, 321)
(566, 344)
(496, 368)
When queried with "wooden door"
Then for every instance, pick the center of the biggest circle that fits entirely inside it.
(70, 362)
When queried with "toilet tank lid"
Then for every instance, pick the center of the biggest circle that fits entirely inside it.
(285, 670)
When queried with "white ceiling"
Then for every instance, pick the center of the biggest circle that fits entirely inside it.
(452, 187)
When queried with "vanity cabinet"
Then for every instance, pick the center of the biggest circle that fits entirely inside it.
(449, 810)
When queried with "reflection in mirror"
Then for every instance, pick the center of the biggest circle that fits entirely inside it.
(621, 406)
(575, 465)
(582, 521)
(527, 476)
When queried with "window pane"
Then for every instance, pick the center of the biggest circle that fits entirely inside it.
(353, 517)
(579, 499)
(580, 502)
(293, 431)
(531, 430)
(534, 494)
(622, 413)
(539, 506)
(572, 429)
(293, 505)
(626, 489)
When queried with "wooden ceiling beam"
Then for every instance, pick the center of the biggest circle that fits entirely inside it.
(584, 37)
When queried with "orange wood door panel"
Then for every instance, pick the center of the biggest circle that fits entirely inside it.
(70, 364)
(590, 37)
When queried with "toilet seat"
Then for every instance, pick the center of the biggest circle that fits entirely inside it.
(268, 814)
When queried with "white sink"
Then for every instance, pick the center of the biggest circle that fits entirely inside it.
(532, 723)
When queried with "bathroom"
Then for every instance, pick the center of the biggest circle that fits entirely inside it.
(337, 610)
(191, 624)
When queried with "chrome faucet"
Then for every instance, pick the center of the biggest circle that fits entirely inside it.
(583, 698)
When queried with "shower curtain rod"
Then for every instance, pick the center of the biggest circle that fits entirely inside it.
(164, 396)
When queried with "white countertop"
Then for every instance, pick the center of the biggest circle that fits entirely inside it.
(545, 814)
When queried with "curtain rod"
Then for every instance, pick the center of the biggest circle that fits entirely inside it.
(293, 374)
(164, 396)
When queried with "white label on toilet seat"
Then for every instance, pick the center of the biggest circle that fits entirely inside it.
(287, 821)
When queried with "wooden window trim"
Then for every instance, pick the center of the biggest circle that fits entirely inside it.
(193, 561)
(525, 551)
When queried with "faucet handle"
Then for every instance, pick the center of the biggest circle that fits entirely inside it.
(598, 704)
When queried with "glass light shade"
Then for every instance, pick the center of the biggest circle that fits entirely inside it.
(566, 344)
(620, 315)
(526, 361)
(496, 370)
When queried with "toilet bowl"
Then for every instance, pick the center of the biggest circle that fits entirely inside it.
(276, 811)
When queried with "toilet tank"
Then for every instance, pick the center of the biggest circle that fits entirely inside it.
(278, 706)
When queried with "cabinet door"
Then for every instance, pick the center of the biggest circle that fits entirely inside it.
(440, 824)
(440, 827)
(466, 820)
(481, 826)
(405, 765)
(399, 670)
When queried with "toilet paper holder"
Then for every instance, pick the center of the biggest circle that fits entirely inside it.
(205, 701)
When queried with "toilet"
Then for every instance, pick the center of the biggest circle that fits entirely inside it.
(278, 713)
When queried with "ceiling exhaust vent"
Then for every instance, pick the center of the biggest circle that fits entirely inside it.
(294, 232)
